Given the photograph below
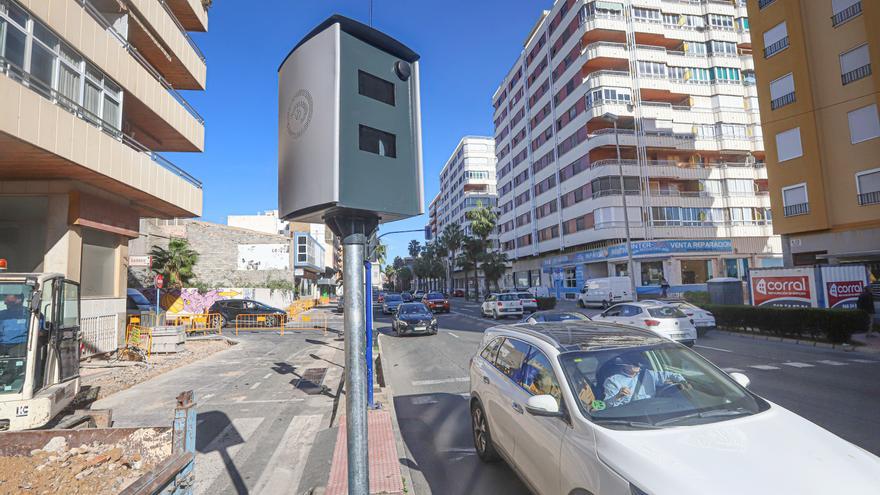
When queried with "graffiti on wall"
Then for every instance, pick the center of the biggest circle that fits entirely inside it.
(191, 301)
(263, 256)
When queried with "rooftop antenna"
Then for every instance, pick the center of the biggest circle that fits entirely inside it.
(371, 13)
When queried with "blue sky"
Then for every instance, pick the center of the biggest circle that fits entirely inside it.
(466, 48)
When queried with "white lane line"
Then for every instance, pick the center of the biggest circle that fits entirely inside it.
(227, 443)
(712, 348)
(284, 470)
(264, 401)
(865, 361)
(732, 370)
(456, 336)
(254, 386)
(267, 375)
(795, 364)
(422, 383)
(832, 363)
(765, 367)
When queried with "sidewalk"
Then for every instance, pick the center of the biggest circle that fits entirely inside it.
(867, 344)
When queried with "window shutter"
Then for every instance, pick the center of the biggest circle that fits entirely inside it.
(788, 144)
(841, 5)
(782, 86)
(775, 34)
(854, 59)
(795, 195)
(869, 183)
(863, 124)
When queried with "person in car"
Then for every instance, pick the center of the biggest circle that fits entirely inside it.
(630, 382)
(13, 325)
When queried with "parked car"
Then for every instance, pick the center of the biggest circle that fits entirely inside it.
(436, 302)
(458, 293)
(414, 318)
(229, 309)
(529, 302)
(703, 320)
(546, 399)
(663, 319)
(555, 316)
(340, 304)
(407, 297)
(392, 301)
(605, 291)
(136, 304)
(502, 305)
(418, 295)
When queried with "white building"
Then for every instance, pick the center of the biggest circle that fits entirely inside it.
(679, 77)
(267, 222)
(466, 181)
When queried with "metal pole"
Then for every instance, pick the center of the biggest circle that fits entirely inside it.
(157, 305)
(629, 252)
(353, 247)
(368, 306)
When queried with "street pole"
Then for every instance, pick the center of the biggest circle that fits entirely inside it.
(368, 307)
(353, 246)
(629, 253)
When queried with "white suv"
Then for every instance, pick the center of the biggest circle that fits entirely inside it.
(501, 305)
(586, 407)
(661, 318)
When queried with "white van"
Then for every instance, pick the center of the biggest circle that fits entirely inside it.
(605, 291)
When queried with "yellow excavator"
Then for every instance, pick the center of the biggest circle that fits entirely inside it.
(39, 348)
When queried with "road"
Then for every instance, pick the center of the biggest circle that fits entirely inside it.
(428, 376)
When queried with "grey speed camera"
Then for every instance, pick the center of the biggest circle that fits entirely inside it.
(349, 132)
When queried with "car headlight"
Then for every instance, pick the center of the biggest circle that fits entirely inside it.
(401, 323)
(433, 321)
(636, 490)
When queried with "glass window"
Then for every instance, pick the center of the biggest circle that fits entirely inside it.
(14, 328)
(99, 263)
(773, 38)
(854, 60)
(70, 305)
(570, 278)
(92, 102)
(868, 182)
(375, 88)
(68, 82)
(491, 349)
(112, 115)
(510, 357)
(794, 195)
(375, 141)
(13, 44)
(696, 271)
(537, 376)
(652, 272)
(863, 124)
(788, 144)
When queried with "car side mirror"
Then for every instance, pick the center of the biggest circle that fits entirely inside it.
(742, 379)
(543, 405)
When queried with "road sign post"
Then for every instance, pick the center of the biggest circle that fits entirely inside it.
(159, 282)
(368, 308)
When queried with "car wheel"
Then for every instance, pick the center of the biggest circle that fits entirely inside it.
(223, 321)
(482, 437)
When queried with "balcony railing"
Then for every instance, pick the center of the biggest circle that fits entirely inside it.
(673, 163)
(846, 14)
(869, 198)
(783, 100)
(856, 74)
(775, 48)
(795, 210)
(18, 74)
(182, 30)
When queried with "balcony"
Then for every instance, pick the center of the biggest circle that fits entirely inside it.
(192, 14)
(846, 14)
(869, 198)
(797, 209)
(783, 100)
(856, 74)
(776, 47)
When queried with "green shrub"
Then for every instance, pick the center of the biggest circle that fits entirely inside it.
(546, 303)
(697, 298)
(831, 325)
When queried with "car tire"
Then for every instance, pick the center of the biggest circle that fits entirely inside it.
(482, 437)
(223, 321)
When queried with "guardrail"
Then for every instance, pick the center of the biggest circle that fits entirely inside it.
(139, 337)
(203, 322)
(309, 320)
(99, 335)
(257, 322)
(300, 305)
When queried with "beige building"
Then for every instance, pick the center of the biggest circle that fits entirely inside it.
(88, 97)
(818, 97)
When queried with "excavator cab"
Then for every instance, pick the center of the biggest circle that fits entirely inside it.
(39, 348)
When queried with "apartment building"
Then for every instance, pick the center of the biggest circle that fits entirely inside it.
(672, 83)
(818, 96)
(88, 99)
(467, 180)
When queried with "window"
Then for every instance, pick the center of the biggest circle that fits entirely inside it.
(99, 263)
(863, 124)
(492, 349)
(651, 69)
(537, 376)
(788, 144)
(844, 10)
(696, 271)
(782, 91)
(375, 88)
(70, 305)
(646, 15)
(375, 141)
(740, 186)
(722, 48)
(855, 64)
(652, 272)
(795, 201)
(776, 39)
(510, 357)
(721, 21)
(570, 278)
(868, 187)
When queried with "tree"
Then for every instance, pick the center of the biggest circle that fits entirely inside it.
(421, 268)
(482, 220)
(404, 275)
(494, 265)
(451, 239)
(379, 253)
(175, 263)
(390, 273)
(415, 248)
(472, 250)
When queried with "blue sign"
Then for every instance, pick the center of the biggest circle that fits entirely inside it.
(642, 248)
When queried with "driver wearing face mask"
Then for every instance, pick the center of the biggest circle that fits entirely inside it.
(633, 381)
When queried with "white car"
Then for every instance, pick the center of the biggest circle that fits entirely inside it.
(501, 305)
(663, 319)
(703, 320)
(547, 398)
(529, 302)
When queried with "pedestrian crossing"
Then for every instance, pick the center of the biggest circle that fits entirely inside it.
(799, 365)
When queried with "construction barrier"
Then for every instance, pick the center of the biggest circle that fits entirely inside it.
(300, 306)
(205, 323)
(140, 337)
(249, 322)
(311, 320)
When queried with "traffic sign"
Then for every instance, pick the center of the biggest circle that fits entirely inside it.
(159, 281)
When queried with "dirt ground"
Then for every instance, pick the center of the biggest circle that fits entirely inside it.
(101, 377)
(87, 469)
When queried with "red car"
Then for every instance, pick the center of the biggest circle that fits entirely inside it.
(458, 293)
(436, 302)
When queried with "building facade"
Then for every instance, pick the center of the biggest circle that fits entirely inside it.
(467, 180)
(677, 80)
(89, 96)
(818, 96)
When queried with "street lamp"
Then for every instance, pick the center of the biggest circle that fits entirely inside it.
(610, 117)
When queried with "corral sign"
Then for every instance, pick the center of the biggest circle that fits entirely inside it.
(788, 288)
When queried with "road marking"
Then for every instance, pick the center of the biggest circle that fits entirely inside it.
(222, 449)
(267, 375)
(765, 367)
(254, 386)
(798, 365)
(832, 363)
(866, 361)
(712, 348)
(422, 383)
(284, 470)
(266, 401)
(456, 336)
(732, 370)
(421, 401)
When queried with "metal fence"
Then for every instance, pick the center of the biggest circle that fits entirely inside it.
(200, 323)
(140, 337)
(256, 322)
(308, 320)
(99, 334)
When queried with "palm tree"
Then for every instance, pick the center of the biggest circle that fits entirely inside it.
(414, 248)
(390, 272)
(494, 265)
(451, 240)
(472, 250)
(404, 275)
(175, 263)
(482, 220)
(379, 253)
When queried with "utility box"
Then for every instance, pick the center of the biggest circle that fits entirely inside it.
(725, 290)
(349, 132)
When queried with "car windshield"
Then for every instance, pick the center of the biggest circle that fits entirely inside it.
(393, 297)
(435, 296)
(413, 309)
(560, 317)
(507, 297)
(654, 386)
(666, 312)
(15, 299)
(525, 295)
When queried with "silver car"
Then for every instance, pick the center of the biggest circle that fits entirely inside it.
(663, 319)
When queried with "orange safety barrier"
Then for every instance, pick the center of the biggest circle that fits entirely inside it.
(203, 322)
(311, 320)
(137, 336)
(250, 322)
(301, 305)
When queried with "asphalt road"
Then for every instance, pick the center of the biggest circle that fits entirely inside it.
(428, 376)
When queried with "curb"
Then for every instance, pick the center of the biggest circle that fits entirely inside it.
(810, 343)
